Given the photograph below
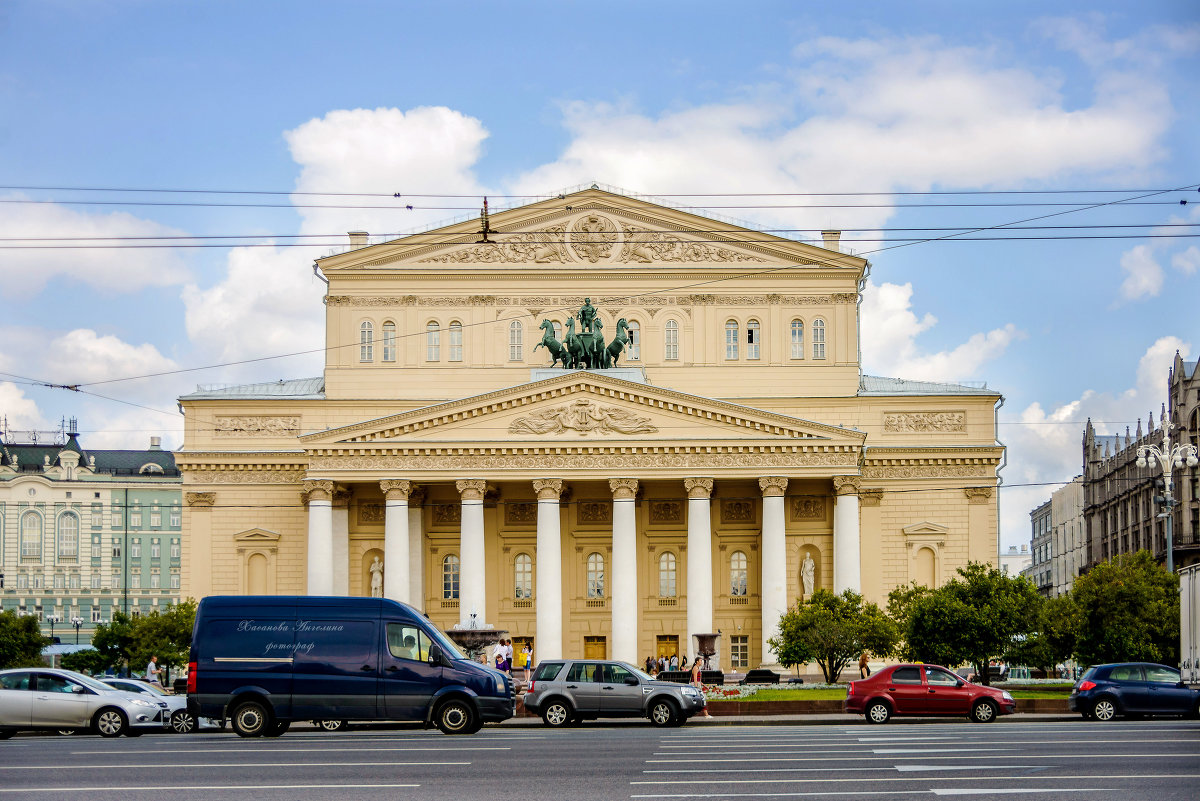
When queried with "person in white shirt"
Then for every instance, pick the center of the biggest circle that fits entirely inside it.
(153, 671)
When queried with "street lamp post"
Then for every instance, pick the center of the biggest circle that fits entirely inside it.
(52, 619)
(77, 622)
(1168, 457)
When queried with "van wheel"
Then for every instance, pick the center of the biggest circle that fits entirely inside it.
(455, 717)
(251, 719)
(331, 725)
(110, 722)
(556, 714)
(277, 728)
(878, 712)
(984, 712)
(663, 714)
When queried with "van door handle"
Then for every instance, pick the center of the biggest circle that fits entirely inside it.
(366, 667)
(392, 668)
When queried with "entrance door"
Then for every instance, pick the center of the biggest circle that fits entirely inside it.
(595, 648)
(667, 645)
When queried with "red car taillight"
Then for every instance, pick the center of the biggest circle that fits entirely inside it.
(531, 686)
(191, 678)
(1086, 685)
(850, 689)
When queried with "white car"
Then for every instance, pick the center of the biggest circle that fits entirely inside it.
(48, 699)
(182, 721)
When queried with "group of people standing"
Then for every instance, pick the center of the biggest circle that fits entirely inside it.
(663, 663)
(505, 661)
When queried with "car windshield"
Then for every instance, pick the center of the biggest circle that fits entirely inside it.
(88, 681)
(137, 687)
(641, 674)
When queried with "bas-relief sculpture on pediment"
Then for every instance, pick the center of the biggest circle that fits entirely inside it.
(584, 417)
(592, 238)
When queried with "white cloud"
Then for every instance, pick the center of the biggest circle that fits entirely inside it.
(1188, 261)
(1143, 274)
(111, 270)
(890, 331)
(20, 412)
(1047, 446)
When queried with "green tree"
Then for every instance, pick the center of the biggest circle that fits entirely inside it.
(89, 661)
(973, 618)
(113, 640)
(899, 607)
(21, 641)
(833, 630)
(1128, 612)
(1054, 638)
(167, 635)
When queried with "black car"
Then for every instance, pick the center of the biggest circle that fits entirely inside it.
(1132, 689)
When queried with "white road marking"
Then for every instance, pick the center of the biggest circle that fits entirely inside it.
(201, 787)
(855, 793)
(865, 758)
(915, 768)
(359, 750)
(930, 750)
(1011, 791)
(235, 765)
(1040, 778)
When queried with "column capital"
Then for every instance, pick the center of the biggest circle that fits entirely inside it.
(416, 496)
(871, 497)
(773, 486)
(977, 494)
(847, 485)
(341, 497)
(698, 487)
(471, 489)
(317, 490)
(200, 498)
(548, 489)
(396, 489)
(623, 489)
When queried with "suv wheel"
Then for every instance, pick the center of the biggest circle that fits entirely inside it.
(663, 713)
(1104, 710)
(878, 712)
(556, 713)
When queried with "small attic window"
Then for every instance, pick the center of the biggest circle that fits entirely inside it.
(151, 467)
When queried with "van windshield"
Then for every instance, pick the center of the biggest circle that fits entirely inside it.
(448, 646)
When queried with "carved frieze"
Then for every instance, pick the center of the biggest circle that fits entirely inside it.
(447, 514)
(593, 237)
(225, 427)
(645, 246)
(560, 462)
(807, 508)
(930, 471)
(595, 512)
(666, 512)
(520, 513)
(584, 417)
(370, 513)
(537, 248)
(737, 510)
(925, 422)
(550, 301)
(245, 476)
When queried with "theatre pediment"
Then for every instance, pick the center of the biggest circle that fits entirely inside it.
(583, 408)
(590, 227)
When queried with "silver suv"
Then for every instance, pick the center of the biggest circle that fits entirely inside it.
(569, 690)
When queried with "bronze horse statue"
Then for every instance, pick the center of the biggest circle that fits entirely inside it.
(618, 344)
(574, 344)
(557, 352)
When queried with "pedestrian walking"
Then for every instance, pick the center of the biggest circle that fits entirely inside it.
(864, 669)
(698, 683)
(154, 672)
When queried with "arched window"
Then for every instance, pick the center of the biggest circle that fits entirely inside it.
(450, 577)
(256, 574)
(455, 341)
(797, 339)
(737, 573)
(666, 575)
(671, 341)
(515, 341)
(557, 330)
(731, 339)
(68, 537)
(523, 576)
(389, 341)
(31, 537)
(433, 341)
(635, 341)
(925, 568)
(753, 339)
(818, 337)
(595, 576)
(366, 342)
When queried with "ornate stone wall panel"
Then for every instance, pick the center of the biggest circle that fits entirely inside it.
(925, 422)
(261, 426)
(803, 507)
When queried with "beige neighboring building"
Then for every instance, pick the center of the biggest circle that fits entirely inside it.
(734, 453)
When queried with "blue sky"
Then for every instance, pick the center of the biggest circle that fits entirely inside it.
(654, 98)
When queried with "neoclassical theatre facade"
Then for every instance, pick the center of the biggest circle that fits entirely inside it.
(703, 451)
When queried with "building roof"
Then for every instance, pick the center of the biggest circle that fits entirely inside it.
(878, 385)
(35, 458)
(296, 388)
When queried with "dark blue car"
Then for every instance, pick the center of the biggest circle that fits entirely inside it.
(1132, 689)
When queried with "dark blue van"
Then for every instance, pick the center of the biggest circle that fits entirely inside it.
(264, 661)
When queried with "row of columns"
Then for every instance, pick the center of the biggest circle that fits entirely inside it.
(328, 555)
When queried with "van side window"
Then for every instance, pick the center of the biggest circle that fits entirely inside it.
(407, 642)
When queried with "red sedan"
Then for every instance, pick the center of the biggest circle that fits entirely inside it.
(925, 690)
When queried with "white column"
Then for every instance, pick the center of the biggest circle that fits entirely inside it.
(395, 539)
(472, 589)
(699, 561)
(548, 571)
(774, 561)
(320, 536)
(416, 550)
(341, 542)
(847, 575)
(624, 570)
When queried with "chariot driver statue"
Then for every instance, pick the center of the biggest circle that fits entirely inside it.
(586, 315)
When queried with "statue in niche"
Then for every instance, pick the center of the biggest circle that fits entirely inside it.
(808, 569)
(376, 578)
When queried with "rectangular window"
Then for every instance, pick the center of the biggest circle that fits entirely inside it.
(135, 549)
(116, 549)
(753, 335)
(515, 336)
(116, 579)
(73, 581)
(433, 343)
(389, 342)
(118, 518)
(174, 581)
(818, 339)
(22, 581)
(60, 581)
(797, 339)
(366, 343)
(155, 518)
(739, 651)
(95, 614)
(135, 518)
(671, 342)
(174, 549)
(155, 550)
(456, 342)
(176, 518)
(731, 341)
(154, 579)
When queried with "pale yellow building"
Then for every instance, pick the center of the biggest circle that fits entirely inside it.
(733, 456)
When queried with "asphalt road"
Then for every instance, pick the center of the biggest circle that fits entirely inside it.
(1027, 758)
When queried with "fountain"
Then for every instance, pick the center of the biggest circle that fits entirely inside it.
(706, 646)
(474, 639)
